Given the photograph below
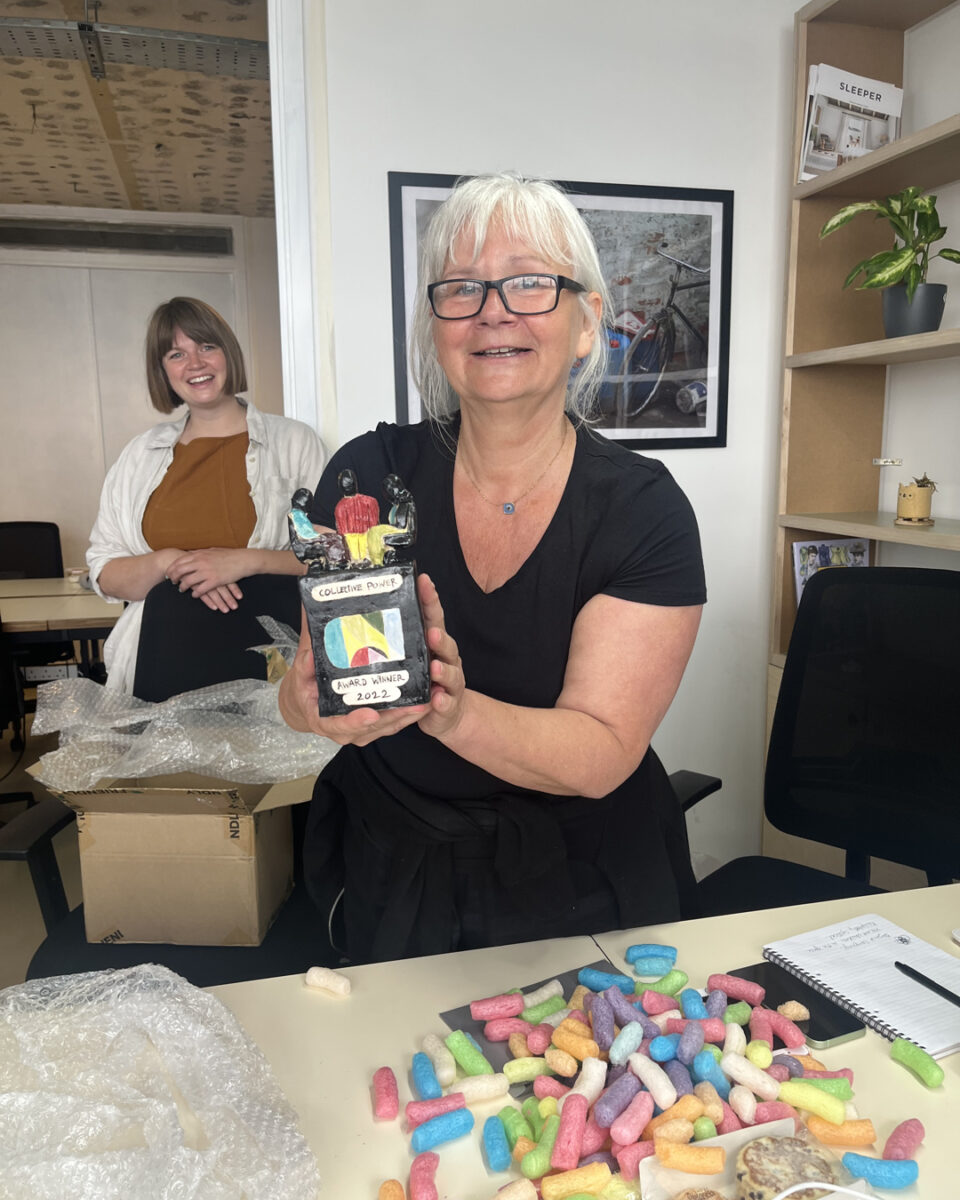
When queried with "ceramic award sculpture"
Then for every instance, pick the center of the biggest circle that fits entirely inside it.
(360, 598)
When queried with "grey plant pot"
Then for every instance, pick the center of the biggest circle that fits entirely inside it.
(923, 315)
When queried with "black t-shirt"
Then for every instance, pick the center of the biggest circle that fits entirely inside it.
(622, 527)
(435, 853)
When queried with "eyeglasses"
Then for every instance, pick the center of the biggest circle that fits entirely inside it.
(522, 295)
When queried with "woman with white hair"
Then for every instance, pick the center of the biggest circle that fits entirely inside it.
(561, 589)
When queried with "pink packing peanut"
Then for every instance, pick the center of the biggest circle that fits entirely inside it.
(577, 1014)
(737, 989)
(761, 1027)
(773, 1110)
(418, 1111)
(594, 1138)
(627, 1128)
(905, 1140)
(386, 1101)
(538, 1038)
(422, 1172)
(498, 1029)
(546, 1085)
(507, 1005)
(786, 1030)
(655, 1002)
(714, 1029)
(568, 1145)
(630, 1157)
(778, 1072)
(731, 1122)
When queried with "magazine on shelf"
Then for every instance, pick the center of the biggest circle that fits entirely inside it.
(815, 555)
(848, 115)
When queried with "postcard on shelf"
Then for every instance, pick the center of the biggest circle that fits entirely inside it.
(809, 557)
(848, 115)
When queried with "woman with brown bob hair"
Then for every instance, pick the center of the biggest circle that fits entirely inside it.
(201, 500)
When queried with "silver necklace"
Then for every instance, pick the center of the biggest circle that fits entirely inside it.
(509, 507)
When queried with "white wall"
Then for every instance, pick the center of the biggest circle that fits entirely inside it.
(692, 93)
(923, 399)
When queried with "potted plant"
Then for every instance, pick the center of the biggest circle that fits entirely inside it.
(910, 304)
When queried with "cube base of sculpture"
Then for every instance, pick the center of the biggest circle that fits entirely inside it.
(369, 646)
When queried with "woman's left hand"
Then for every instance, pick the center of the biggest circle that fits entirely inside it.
(203, 571)
(447, 685)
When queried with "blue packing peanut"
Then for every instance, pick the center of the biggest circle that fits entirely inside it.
(706, 1067)
(626, 1042)
(597, 981)
(692, 1005)
(892, 1173)
(425, 1078)
(495, 1145)
(651, 950)
(716, 1003)
(445, 1128)
(679, 1076)
(650, 966)
(664, 1047)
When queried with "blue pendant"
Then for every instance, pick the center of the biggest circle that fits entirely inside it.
(509, 509)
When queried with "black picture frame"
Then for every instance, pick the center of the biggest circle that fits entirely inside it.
(668, 347)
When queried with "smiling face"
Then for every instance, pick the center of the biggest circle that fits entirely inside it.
(497, 356)
(197, 371)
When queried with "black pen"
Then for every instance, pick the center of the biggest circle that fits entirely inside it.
(928, 983)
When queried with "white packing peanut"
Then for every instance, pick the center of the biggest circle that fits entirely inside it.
(328, 980)
(735, 1040)
(590, 1081)
(444, 1064)
(741, 1070)
(544, 992)
(482, 1087)
(654, 1079)
(744, 1103)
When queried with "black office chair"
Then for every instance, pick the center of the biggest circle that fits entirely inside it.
(28, 550)
(864, 749)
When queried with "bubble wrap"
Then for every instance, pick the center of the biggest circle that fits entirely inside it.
(230, 731)
(136, 1085)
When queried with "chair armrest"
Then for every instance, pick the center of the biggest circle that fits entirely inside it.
(29, 830)
(691, 787)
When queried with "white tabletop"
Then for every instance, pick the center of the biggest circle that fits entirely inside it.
(59, 585)
(324, 1050)
(72, 609)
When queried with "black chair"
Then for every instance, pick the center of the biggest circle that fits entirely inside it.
(28, 550)
(864, 749)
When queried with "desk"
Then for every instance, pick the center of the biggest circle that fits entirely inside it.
(324, 1050)
(65, 612)
(10, 589)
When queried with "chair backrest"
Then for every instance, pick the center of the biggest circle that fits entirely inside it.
(30, 550)
(185, 645)
(864, 752)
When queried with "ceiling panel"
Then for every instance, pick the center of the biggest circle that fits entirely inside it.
(148, 138)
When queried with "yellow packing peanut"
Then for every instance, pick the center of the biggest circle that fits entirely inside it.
(590, 1179)
(695, 1160)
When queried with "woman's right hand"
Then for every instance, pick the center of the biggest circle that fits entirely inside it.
(298, 706)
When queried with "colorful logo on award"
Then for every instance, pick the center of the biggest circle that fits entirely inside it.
(362, 639)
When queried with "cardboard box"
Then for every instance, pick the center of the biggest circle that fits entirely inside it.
(184, 859)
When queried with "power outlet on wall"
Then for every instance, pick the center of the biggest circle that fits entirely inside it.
(45, 674)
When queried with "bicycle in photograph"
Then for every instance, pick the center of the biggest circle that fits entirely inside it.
(648, 364)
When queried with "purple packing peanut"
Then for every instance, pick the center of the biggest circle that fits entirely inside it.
(602, 1014)
(614, 1073)
(603, 1156)
(615, 1099)
(716, 1003)
(691, 1043)
(787, 1060)
(679, 1076)
(587, 1001)
(623, 1011)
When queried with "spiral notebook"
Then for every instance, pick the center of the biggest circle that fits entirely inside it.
(852, 963)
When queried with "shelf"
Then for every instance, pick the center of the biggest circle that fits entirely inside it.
(884, 14)
(917, 347)
(877, 527)
(929, 159)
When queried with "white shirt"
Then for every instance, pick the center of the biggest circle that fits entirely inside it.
(283, 455)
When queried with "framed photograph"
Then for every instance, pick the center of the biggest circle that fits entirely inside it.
(666, 256)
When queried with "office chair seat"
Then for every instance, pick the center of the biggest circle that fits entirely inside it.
(754, 882)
